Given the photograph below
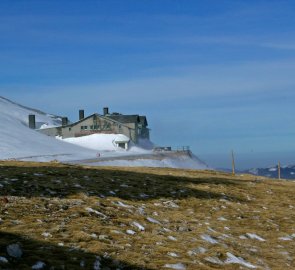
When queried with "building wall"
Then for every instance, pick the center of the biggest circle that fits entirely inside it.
(52, 132)
(99, 125)
(144, 133)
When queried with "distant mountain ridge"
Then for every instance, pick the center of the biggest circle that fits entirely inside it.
(287, 172)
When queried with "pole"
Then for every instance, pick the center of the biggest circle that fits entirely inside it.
(279, 170)
(233, 163)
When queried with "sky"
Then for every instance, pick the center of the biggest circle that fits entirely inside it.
(213, 75)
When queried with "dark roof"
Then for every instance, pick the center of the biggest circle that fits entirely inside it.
(124, 118)
(75, 123)
(98, 115)
(143, 121)
(119, 118)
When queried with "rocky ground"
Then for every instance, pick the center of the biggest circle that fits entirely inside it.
(55, 216)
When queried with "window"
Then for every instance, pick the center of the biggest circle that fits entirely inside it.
(84, 127)
(91, 127)
(70, 129)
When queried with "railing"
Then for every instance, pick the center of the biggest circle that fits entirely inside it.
(169, 148)
(182, 149)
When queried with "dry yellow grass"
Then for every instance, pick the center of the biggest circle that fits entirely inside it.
(69, 217)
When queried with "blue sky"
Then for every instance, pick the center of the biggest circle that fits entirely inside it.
(215, 75)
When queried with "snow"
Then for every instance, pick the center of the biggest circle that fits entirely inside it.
(131, 232)
(209, 239)
(255, 237)
(123, 205)
(232, 259)
(46, 234)
(183, 161)
(177, 266)
(287, 238)
(172, 254)
(214, 260)
(138, 226)
(18, 141)
(92, 211)
(152, 220)
(99, 142)
(172, 238)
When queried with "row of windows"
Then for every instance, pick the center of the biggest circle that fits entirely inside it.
(92, 127)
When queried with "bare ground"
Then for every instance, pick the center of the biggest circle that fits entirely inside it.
(78, 217)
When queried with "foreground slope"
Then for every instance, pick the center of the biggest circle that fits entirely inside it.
(74, 217)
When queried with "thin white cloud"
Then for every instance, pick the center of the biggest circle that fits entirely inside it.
(196, 82)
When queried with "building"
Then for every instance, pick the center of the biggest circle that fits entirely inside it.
(132, 126)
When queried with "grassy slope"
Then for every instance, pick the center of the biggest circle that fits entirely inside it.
(53, 198)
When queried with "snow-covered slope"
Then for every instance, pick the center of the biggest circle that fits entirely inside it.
(105, 143)
(20, 113)
(18, 141)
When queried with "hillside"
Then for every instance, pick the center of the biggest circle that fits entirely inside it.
(56, 216)
(19, 142)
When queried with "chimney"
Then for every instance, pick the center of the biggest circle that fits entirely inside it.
(105, 110)
(64, 121)
(81, 114)
(32, 121)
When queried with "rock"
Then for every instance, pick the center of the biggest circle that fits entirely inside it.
(38, 265)
(14, 250)
(3, 260)
(102, 237)
(16, 222)
(97, 265)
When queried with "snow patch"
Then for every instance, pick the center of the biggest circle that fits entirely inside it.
(209, 239)
(255, 237)
(138, 226)
(176, 266)
(232, 259)
(152, 220)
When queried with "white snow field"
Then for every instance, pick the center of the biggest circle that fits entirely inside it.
(18, 141)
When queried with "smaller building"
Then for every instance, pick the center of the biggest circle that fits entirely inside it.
(122, 141)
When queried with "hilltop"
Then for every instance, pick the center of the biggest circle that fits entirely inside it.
(57, 216)
(19, 142)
